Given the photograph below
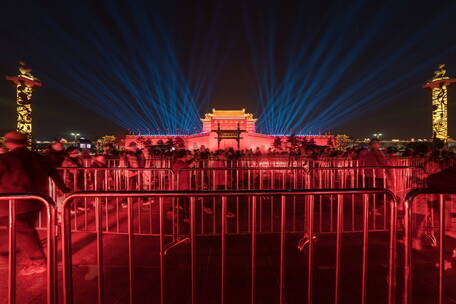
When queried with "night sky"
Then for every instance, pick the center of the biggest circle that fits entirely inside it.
(223, 26)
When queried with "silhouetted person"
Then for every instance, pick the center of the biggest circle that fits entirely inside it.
(24, 171)
(443, 181)
(111, 155)
(133, 157)
(73, 177)
(182, 161)
(373, 157)
(55, 154)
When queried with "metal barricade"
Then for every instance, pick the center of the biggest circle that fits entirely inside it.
(242, 178)
(398, 179)
(51, 261)
(433, 227)
(253, 245)
(118, 179)
(114, 179)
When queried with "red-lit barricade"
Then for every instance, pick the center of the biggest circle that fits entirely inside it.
(430, 247)
(154, 162)
(227, 266)
(398, 179)
(242, 178)
(51, 259)
(115, 179)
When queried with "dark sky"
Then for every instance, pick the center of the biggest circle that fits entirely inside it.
(56, 114)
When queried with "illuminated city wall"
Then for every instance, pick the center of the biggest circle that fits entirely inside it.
(224, 120)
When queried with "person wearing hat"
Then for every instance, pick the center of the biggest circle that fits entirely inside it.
(24, 171)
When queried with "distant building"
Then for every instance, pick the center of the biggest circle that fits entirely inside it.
(84, 143)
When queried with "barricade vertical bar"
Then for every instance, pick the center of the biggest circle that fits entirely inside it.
(282, 248)
(117, 216)
(67, 256)
(365, 247)
(223, 232)
(441, 247)
(174, 219)
(214, 221)
(176, 202)
(202, 216)
(392, 252)
(331, 214)
(339, 228)
(12, 253)
(353, 212)
(84, 176)
(407, 252)
(272, 215)
(294, 214)
(150, 215)
(260, 228)
(253, 254)
(131, 274)
(374, 207)
(106, 215)
(139, 202)
(100, 278)
(261, 187)
(237, 215)
(320, 218)
(310, 223)
(385, 185)
(193, 248)
(162, 249)
(226, 178)
(52, 257)
(249, 213)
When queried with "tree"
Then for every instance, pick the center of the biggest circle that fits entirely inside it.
(311, 142)
(179, 142)
(277, 144)
(330, 141)
(341, 141)
(170, 142)
(107, 139)
(292, 140)
(303, 142)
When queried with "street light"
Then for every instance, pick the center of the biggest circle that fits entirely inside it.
(377, 135)
(75, 135)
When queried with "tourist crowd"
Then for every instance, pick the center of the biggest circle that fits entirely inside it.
(133, 157)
